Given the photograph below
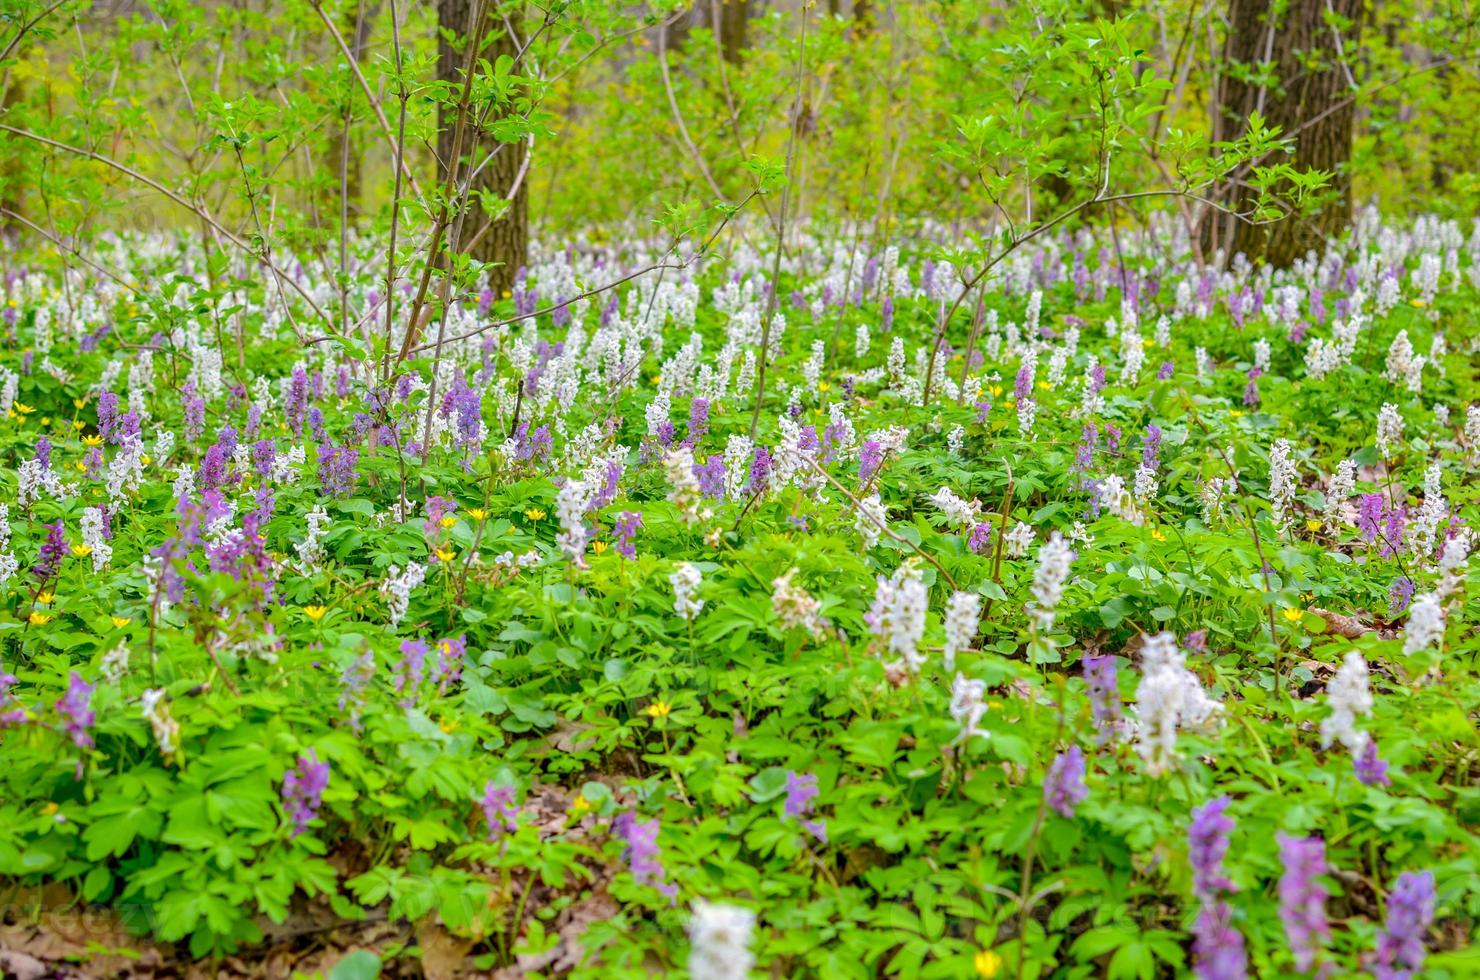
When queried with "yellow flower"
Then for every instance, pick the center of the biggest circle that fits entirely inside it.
(46, 420)
(49, 809)
(82, 550)
(1292, 614)
(39, 618)
(121, 621)
(1419, 303)
(446, 554)
(78, 424)
(23, 409)
(1147, 343)
(448, 726)
(658, 709)
(995, 390)
(315, 613)
(535, 514)
(81, 466)
(823, 386)
(448, 521)
(988, 964)
(507, 294)
(79, 402)
(145, 460)
(1044, 385)
(92, 440)
(45, 598)
(579, 805)
(477, 513)
(1312, 525)
(1236, 413)
(599, 547)
(1158, 534)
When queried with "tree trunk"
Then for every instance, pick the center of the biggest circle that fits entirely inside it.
(733, 17)
(506, 242)
(1309, 59)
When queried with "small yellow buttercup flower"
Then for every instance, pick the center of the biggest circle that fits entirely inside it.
(82, 550)
(121, 621)
(49, 809)
(988, 964)
(1312, 525)
(1236, 413)
(1292, 614)
(579, 805)
(599, 547)
(92, 440)
(39, 618)
(477, 513)
(45, 598)
(315, 613)
(79, 402)
(658, 709)
(448, 521)
(446, 554)
(23, 409)
(1158, 534)
(823, 386)
(535, 514)
(78, 424)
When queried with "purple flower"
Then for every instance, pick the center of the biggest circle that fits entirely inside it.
(1023, 386)
(1151, 447)
(75, 707)
(624, 529)
(1400, 593)
(1400, 950)
(450, 654)
(1063, 788)
(980, 538)
(1165, 373)
(1303, 897)
(1104, 695)
(711, 477)
(1371, 770)
(337, 469)
(303, 790)
(1207, 843)
(1251, 390)
(53, 550)
(499, 810)
(760, 470)
(411, 670)
(698, 419)
(1369, 516)
(801, 790)
(438, 507)
(870, 458)
(1217, 947)
(1084, 453)
(9, 716)
(643, 855)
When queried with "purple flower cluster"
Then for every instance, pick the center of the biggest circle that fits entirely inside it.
(643, 855)
(1303, 897)
(303, 790)
(1217, 947)
(53, 550)
(500, 812)
(1104, 695)
(1063, 788)
(1410, 911)
(624, 530)
(75, 707)
(801, 790)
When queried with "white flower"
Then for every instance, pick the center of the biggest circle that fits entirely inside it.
(720, 938)
(794, 605)
(1425, 624)
(397, 586)
(872, 519)
(1389, 429)
(968, 704)
(157, 713)
(570, 510)
(685, 581)
(93, 537)
(1168, 699)
(1343, 481)
(957, 511)
(963, 616)
(1019, 540)
(311, 549)
(1054, 559)
(898, 614)
(1349, 698)
(1282, 476)
(683, 493)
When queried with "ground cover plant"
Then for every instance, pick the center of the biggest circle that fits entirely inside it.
(757, 585)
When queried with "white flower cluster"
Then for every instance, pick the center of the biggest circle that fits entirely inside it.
(94, 539)
(719, 936)
(311, 548)
(898, 614)
(957, 511)
(683, 486)
(794, 605)
(963, 617)
(1282, 481)
(968, 704)
(1169, 699)
(8, 563)
(1054, 559)
(397, 586)
(1343, 481)
(1389, 429)
(1350, 698)
(1425, 624)
(685, 581)
(871, 520)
